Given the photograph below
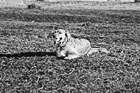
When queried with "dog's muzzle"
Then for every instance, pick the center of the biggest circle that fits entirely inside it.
(54, 36)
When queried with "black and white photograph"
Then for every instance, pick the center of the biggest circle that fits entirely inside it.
(69, 46)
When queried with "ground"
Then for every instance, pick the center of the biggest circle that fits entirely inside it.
(29, 65)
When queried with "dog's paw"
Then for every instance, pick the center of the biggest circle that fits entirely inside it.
(60, 54)
(71, 57)
(66, 58)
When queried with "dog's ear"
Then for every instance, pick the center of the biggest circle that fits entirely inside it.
(67, 34)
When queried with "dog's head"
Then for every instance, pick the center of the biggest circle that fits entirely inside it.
(61, 36)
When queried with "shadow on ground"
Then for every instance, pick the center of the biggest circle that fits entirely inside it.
(28, 54)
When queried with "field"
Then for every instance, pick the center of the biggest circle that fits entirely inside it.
(28, 63)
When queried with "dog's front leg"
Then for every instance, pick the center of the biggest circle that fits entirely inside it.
(61, 53)
(72, 56)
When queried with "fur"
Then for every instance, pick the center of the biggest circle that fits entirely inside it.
(70, 47)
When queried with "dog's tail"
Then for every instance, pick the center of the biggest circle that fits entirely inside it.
(93, 50)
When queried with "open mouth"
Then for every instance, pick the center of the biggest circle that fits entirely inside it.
(59, 41)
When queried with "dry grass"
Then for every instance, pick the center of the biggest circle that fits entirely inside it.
(27, 66)
(90, 5)
(74, 5)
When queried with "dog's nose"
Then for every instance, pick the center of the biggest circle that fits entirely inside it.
(53, 36)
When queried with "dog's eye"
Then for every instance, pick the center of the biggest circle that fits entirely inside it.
(53, 36)
(60, 33)
(60, 38)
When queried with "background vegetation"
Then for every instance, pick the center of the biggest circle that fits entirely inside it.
(28, 64)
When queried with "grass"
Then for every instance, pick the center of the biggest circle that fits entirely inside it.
(28, 64)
